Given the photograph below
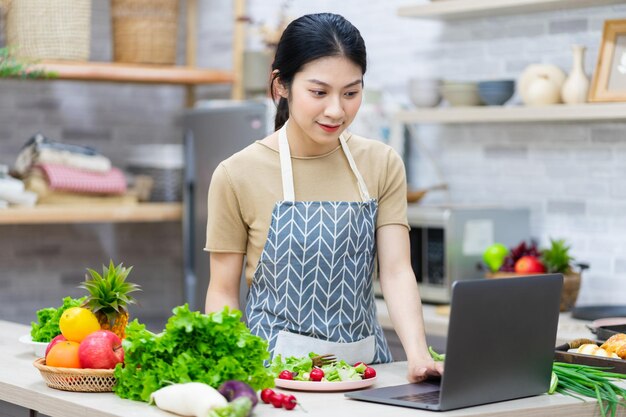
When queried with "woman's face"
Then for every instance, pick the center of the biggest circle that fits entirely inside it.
(324, 99)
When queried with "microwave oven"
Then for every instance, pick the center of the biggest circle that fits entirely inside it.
(447, 242)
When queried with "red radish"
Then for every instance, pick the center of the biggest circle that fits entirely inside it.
(266, 395)
(369, 373)
(277, 399)
(357, 364)
(286, 375)
(316, 374)
(289, 402)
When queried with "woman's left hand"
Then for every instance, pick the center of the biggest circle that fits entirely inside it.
(420, 370)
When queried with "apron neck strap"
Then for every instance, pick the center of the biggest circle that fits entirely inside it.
(287, 171)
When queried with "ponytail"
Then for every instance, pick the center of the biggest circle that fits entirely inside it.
(282, 113)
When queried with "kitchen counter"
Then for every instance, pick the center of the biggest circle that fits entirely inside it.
(436, 323)
(22, 385)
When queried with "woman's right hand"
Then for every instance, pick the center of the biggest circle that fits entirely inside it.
(421, 369)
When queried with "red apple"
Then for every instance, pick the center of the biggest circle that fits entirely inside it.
(529, 265)
(54, 341)
(101, 349)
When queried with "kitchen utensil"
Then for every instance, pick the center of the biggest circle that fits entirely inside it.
(417, 195)
(324, 386)
(39, 348)
(605, 332)
(496, 93)
(425, 92)
(321, 360)
(461, 93)
(594, 312)
(562, 355)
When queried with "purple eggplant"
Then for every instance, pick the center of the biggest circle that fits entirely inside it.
(236, 389)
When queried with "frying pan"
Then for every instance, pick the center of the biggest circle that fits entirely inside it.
(605, 332)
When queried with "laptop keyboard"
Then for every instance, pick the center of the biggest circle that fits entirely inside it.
(426, 398)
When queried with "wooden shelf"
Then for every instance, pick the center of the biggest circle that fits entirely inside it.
(496, 114)
(144, 212)
(461, 9)
(130, 73)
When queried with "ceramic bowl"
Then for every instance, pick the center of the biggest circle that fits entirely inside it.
(496, 93)
(38, 348)
(461, 93)
(424, 92)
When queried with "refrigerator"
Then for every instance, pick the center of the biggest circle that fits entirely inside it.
(213, 131)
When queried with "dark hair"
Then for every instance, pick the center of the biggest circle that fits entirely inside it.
(308, 38)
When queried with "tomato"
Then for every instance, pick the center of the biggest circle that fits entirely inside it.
(286, 375)
(289, 402)
(277, 399)
(64, 354)
(77, 322)
(316, 374)
(266, 395)
(369, 373)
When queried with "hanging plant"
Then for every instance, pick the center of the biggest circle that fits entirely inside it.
(12, 67)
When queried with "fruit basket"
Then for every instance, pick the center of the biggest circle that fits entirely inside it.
(79, 380)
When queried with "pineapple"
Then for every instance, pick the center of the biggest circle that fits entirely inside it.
(109, 296)
(557, 258)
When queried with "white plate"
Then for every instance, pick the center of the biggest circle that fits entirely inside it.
(324, 386)
(39, 348)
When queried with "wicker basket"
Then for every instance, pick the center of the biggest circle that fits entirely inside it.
(145, 31)
(79, 380)
(569, 293)
(49, 29)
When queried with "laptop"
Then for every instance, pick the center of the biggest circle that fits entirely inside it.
(500, 346)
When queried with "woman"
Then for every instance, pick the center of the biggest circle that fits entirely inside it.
(311, 207)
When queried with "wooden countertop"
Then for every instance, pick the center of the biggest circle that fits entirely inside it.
(21, 384)
(436, 322)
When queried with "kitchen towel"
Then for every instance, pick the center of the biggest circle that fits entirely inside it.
(36, 183)
(41, 150)
(65, 178)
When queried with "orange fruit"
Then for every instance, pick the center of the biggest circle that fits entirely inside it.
(77, 322)
(64, 354)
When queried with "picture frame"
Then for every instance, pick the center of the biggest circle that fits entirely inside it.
(609, 78)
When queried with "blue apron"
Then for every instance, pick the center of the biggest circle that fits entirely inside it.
(312, 288)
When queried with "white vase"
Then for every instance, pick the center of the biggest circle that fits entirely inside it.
(576, 85)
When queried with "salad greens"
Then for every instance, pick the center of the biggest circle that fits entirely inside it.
(47, 325)
(210, 348)
(301, 368)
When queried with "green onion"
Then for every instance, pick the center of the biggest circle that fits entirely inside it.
(589, 381)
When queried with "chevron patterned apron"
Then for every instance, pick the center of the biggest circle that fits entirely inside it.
(312, 288)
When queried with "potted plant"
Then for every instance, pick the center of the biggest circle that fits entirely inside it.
(12, 67)
(557, 259)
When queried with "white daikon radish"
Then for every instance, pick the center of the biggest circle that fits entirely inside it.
(188, 399)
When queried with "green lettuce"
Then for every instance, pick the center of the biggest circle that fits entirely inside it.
(210, 348)
(47, 325)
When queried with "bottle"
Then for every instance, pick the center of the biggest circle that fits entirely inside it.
(576, 85)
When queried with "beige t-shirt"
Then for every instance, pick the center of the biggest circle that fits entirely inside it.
(245, 187)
